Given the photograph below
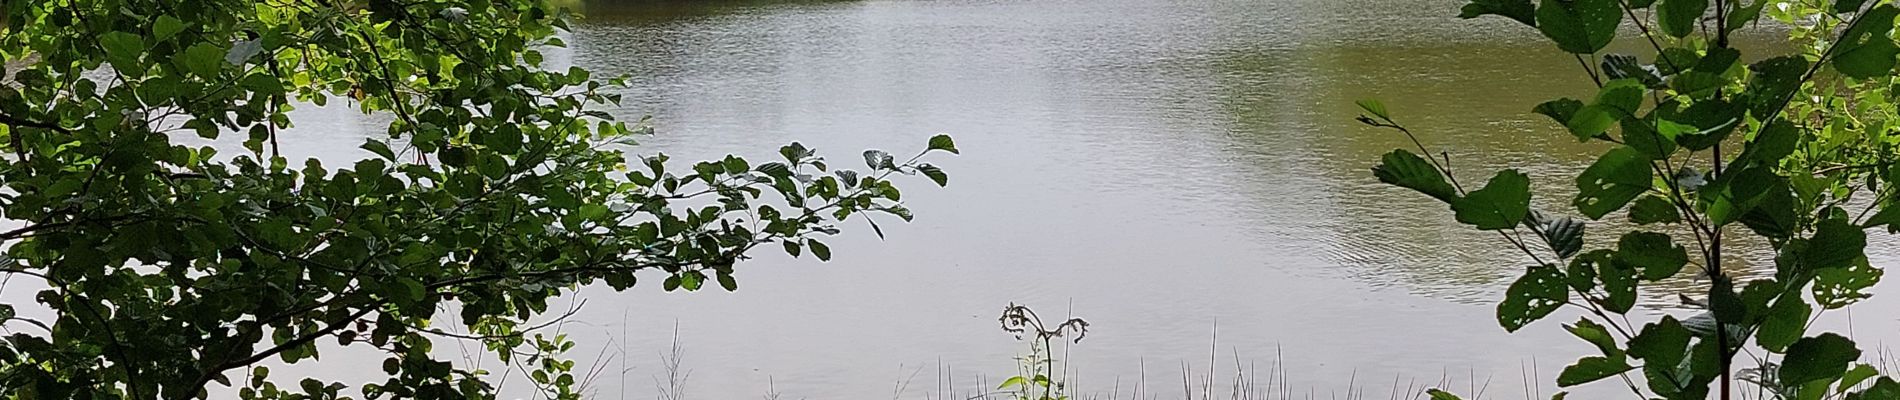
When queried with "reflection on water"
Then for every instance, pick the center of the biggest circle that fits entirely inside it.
(1157, 166)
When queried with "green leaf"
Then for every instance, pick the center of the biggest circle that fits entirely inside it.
(819, 249)
(1591, 369)
(1739, 16)
(1582, 274)
(1815, 358)
(1713, 121)
(1888, 216)
(1562, 233)
(935, 174)
(204, 60)
(166, 26)
(1773, 214)
(1376, 108)
(1678, 17)
(1014, 381)
(1771, 144)
(943, 142)
(1501, 204)
(1840, 287)
(1883, 389)
(1407, 170)
(1579, 26)
(1867, 51)
(1784, 323)
(1655, 142)
(1854, 376)
(1519, 10)
(1702, 79)
(380, 148)
(791, 248)
(726, 282)
(1664, 342)
(122, 49)
(1836, 244)
(1617, 177)
(1657, 254)
(1654, 209)
(1438, 394)
(1596, 334)
(1560, 110)
(1772, 81)
(1534, 295)
(1619, 99)
(1619, 282)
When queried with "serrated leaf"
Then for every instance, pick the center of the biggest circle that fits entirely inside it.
(1563, 234)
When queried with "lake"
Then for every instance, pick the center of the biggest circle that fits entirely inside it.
(1186, 175)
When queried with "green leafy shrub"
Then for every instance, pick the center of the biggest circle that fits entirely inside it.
(1809, 167)
(498, 186)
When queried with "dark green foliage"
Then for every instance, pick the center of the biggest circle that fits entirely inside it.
(1866, 49)
(1616, 178)
(1579, 26)
(1815, 358)
(1678, 17)
(1407, 170)
(1563, 234)
(1814, 147)
(496, 186)
(1501, 204)
(1536, 294)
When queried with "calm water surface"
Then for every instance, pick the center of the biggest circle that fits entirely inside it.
(1164, 169)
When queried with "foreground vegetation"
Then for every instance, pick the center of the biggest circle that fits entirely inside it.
(167, 269)
(1810, 167)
